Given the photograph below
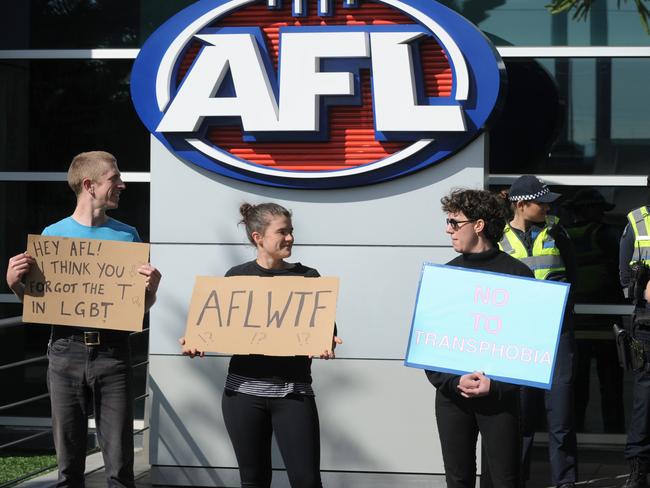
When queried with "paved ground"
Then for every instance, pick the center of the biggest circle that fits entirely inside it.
(600, 467)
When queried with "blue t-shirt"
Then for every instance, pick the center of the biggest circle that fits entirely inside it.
(111, 230)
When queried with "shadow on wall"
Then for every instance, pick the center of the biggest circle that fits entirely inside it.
(184, 432)
(181, 447)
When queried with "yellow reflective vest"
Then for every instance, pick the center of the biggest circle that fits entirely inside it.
(545, 257)
(640, 222)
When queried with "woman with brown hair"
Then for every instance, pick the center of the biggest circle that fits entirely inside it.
(272, 395)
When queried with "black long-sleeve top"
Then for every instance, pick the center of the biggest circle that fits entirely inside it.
(287, 368)
(499, 262)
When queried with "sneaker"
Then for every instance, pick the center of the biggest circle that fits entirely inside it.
(638, 474)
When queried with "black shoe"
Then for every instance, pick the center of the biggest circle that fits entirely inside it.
(638, 474)
(566, 485)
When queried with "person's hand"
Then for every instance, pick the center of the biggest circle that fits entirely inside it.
(17, 268)
(474, 385)
(330, 354)
(467, 383)
(153, 277)
(647, 291)
(189, 351)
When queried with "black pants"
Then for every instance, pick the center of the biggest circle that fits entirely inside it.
(638, 431)
(459, 422)
(610, 378)
(251, 421)
(557, 403)
(82, 379)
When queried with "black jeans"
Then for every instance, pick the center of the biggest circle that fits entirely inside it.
(251, 421)
(559, 408)
(459, 422)
(610, 378)
(82, 379)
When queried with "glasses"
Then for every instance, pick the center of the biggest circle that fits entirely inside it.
(455, 224)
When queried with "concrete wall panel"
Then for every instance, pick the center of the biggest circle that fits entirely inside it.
(197, 206)
(376, 415)
(376, 299)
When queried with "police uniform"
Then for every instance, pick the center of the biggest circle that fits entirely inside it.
(547, 250)
(635, 247)
(546, 261)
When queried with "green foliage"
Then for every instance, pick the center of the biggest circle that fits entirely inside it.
(14, 467)
(581, 8)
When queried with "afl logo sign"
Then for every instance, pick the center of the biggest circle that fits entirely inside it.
(316, 93)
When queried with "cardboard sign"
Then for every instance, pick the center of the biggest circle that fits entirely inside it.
(85, 282)
(278, 316)
(505, 326)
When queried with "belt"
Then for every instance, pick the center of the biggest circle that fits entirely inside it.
(93, 337)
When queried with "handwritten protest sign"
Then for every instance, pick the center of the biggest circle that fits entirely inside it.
(279, 316)
(505, 326)
(85, 282)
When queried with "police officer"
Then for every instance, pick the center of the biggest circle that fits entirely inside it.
(635, 253)
(538, 240)
(596, 248)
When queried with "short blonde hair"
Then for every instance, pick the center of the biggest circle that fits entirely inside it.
(91, 165)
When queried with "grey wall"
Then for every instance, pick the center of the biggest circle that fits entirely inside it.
(377, 419)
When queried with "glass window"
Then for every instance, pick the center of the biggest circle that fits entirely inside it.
(573, 116)
(17, 343)
(54, 109)
(77, 24)
(28, 207)
(8, 310)
(529, 23)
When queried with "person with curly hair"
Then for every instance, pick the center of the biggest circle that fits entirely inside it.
(472, 403)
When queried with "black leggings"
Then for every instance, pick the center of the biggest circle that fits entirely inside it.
(251, 421)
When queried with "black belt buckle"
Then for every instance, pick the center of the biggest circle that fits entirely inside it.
(91, 338)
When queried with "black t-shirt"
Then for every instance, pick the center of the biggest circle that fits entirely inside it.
(287, 368)
(499, 262)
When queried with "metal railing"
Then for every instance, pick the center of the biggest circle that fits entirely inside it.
(16, 321)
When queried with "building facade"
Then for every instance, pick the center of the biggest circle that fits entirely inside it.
(575, 114)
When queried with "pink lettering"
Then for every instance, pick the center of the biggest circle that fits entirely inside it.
(511, 356)
(499, 297)
(417, 337)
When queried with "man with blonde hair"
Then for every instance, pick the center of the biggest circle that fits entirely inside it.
(91, 366)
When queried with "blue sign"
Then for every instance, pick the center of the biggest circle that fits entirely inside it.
(505, 326)
(313, 94)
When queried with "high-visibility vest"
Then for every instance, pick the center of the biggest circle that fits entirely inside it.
(591, 259)
(640, 222)
(545, 258)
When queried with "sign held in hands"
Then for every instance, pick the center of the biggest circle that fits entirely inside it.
(505, 326)
(85, 282)
(279, 316)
